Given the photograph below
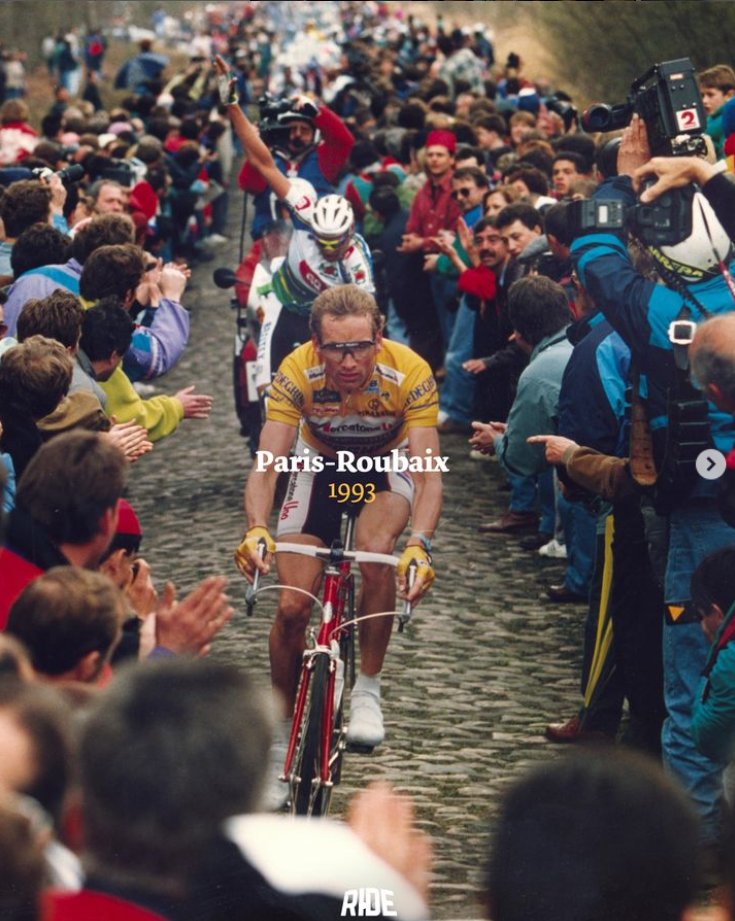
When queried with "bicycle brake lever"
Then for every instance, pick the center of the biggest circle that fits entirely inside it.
(251, 591)
(405, 616)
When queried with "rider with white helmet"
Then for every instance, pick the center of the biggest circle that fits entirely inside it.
(324, 250)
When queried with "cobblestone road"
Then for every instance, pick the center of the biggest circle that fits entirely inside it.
(468, 687)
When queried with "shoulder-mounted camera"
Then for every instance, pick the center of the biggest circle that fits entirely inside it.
(668, 100)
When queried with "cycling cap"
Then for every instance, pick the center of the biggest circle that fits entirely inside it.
(698, 257)
(333, 217)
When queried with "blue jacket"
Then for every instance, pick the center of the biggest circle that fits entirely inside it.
(265, 202)
(535, 407)
(592, 396)
(641, 311)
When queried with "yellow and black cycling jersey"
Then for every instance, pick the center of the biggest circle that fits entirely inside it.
(401, 394)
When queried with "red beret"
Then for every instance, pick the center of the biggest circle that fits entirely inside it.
(442, 139)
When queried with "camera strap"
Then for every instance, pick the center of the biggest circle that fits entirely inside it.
(642, 463)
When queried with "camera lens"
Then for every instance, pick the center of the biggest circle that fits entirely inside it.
(71, 173)
(597, 117)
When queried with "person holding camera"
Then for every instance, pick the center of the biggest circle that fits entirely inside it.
(658, 322)
(307, 140)
(323, 251)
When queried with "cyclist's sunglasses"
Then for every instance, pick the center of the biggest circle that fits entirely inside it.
(331, 244)
(339, 350)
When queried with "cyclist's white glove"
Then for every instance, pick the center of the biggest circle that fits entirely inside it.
(247, 555)
(424, 571)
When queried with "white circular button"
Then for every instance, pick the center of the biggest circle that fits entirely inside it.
(711, 464)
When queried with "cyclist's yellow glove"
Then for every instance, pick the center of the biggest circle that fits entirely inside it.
(424, 570)
(248, 549)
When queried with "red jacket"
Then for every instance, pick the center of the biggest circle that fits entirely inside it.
(88, 905)
(433, 210)
(15, 573)
(332, 152)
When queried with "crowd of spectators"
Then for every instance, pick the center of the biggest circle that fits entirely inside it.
(550, 346)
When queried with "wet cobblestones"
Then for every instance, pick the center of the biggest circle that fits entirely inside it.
(469, 686)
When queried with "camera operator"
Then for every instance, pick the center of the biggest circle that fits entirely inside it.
(314, 145)
(653, 319)
(717, 185)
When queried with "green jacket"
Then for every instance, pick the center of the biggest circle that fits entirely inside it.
(713, 717)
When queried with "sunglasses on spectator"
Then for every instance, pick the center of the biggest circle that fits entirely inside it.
(461, 193)
(340, 350)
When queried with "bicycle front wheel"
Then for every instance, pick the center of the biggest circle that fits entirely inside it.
(309, 795)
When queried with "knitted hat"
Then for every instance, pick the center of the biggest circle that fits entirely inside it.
(128, 533)
(441, 138)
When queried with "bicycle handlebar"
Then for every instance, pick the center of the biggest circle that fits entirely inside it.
(324, 553)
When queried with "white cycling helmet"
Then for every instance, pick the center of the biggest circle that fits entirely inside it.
(333, 217)
(699, 256)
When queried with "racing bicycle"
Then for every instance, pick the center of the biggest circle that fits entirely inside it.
(313, 762)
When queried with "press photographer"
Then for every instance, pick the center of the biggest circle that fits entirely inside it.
(692, 251)
(307, 140)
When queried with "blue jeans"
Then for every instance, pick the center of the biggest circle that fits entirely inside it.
(522, 493)
(395, 328)
(696, 530)
(580, 528)
(442, 291)
(527, 493)
(547, 501)
(457, 397)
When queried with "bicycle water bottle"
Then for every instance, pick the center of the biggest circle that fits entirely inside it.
(339, 676)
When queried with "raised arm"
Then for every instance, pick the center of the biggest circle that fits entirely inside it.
(256, 151)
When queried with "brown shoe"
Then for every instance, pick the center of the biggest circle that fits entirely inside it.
(510, 523)
(571, 733)
(560, 594)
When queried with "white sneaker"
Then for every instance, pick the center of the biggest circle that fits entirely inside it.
(365, 729)
(214, 240)
(555, 550)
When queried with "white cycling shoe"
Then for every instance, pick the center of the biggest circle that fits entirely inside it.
(365, 729)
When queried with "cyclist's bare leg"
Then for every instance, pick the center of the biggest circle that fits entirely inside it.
(286, 641)
(379, 526)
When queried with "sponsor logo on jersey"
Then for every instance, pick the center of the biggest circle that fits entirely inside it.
(326, 396)
(314, 373)
(310, 277)
(425, 387)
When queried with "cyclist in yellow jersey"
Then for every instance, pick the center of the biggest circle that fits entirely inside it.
(361, 413)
